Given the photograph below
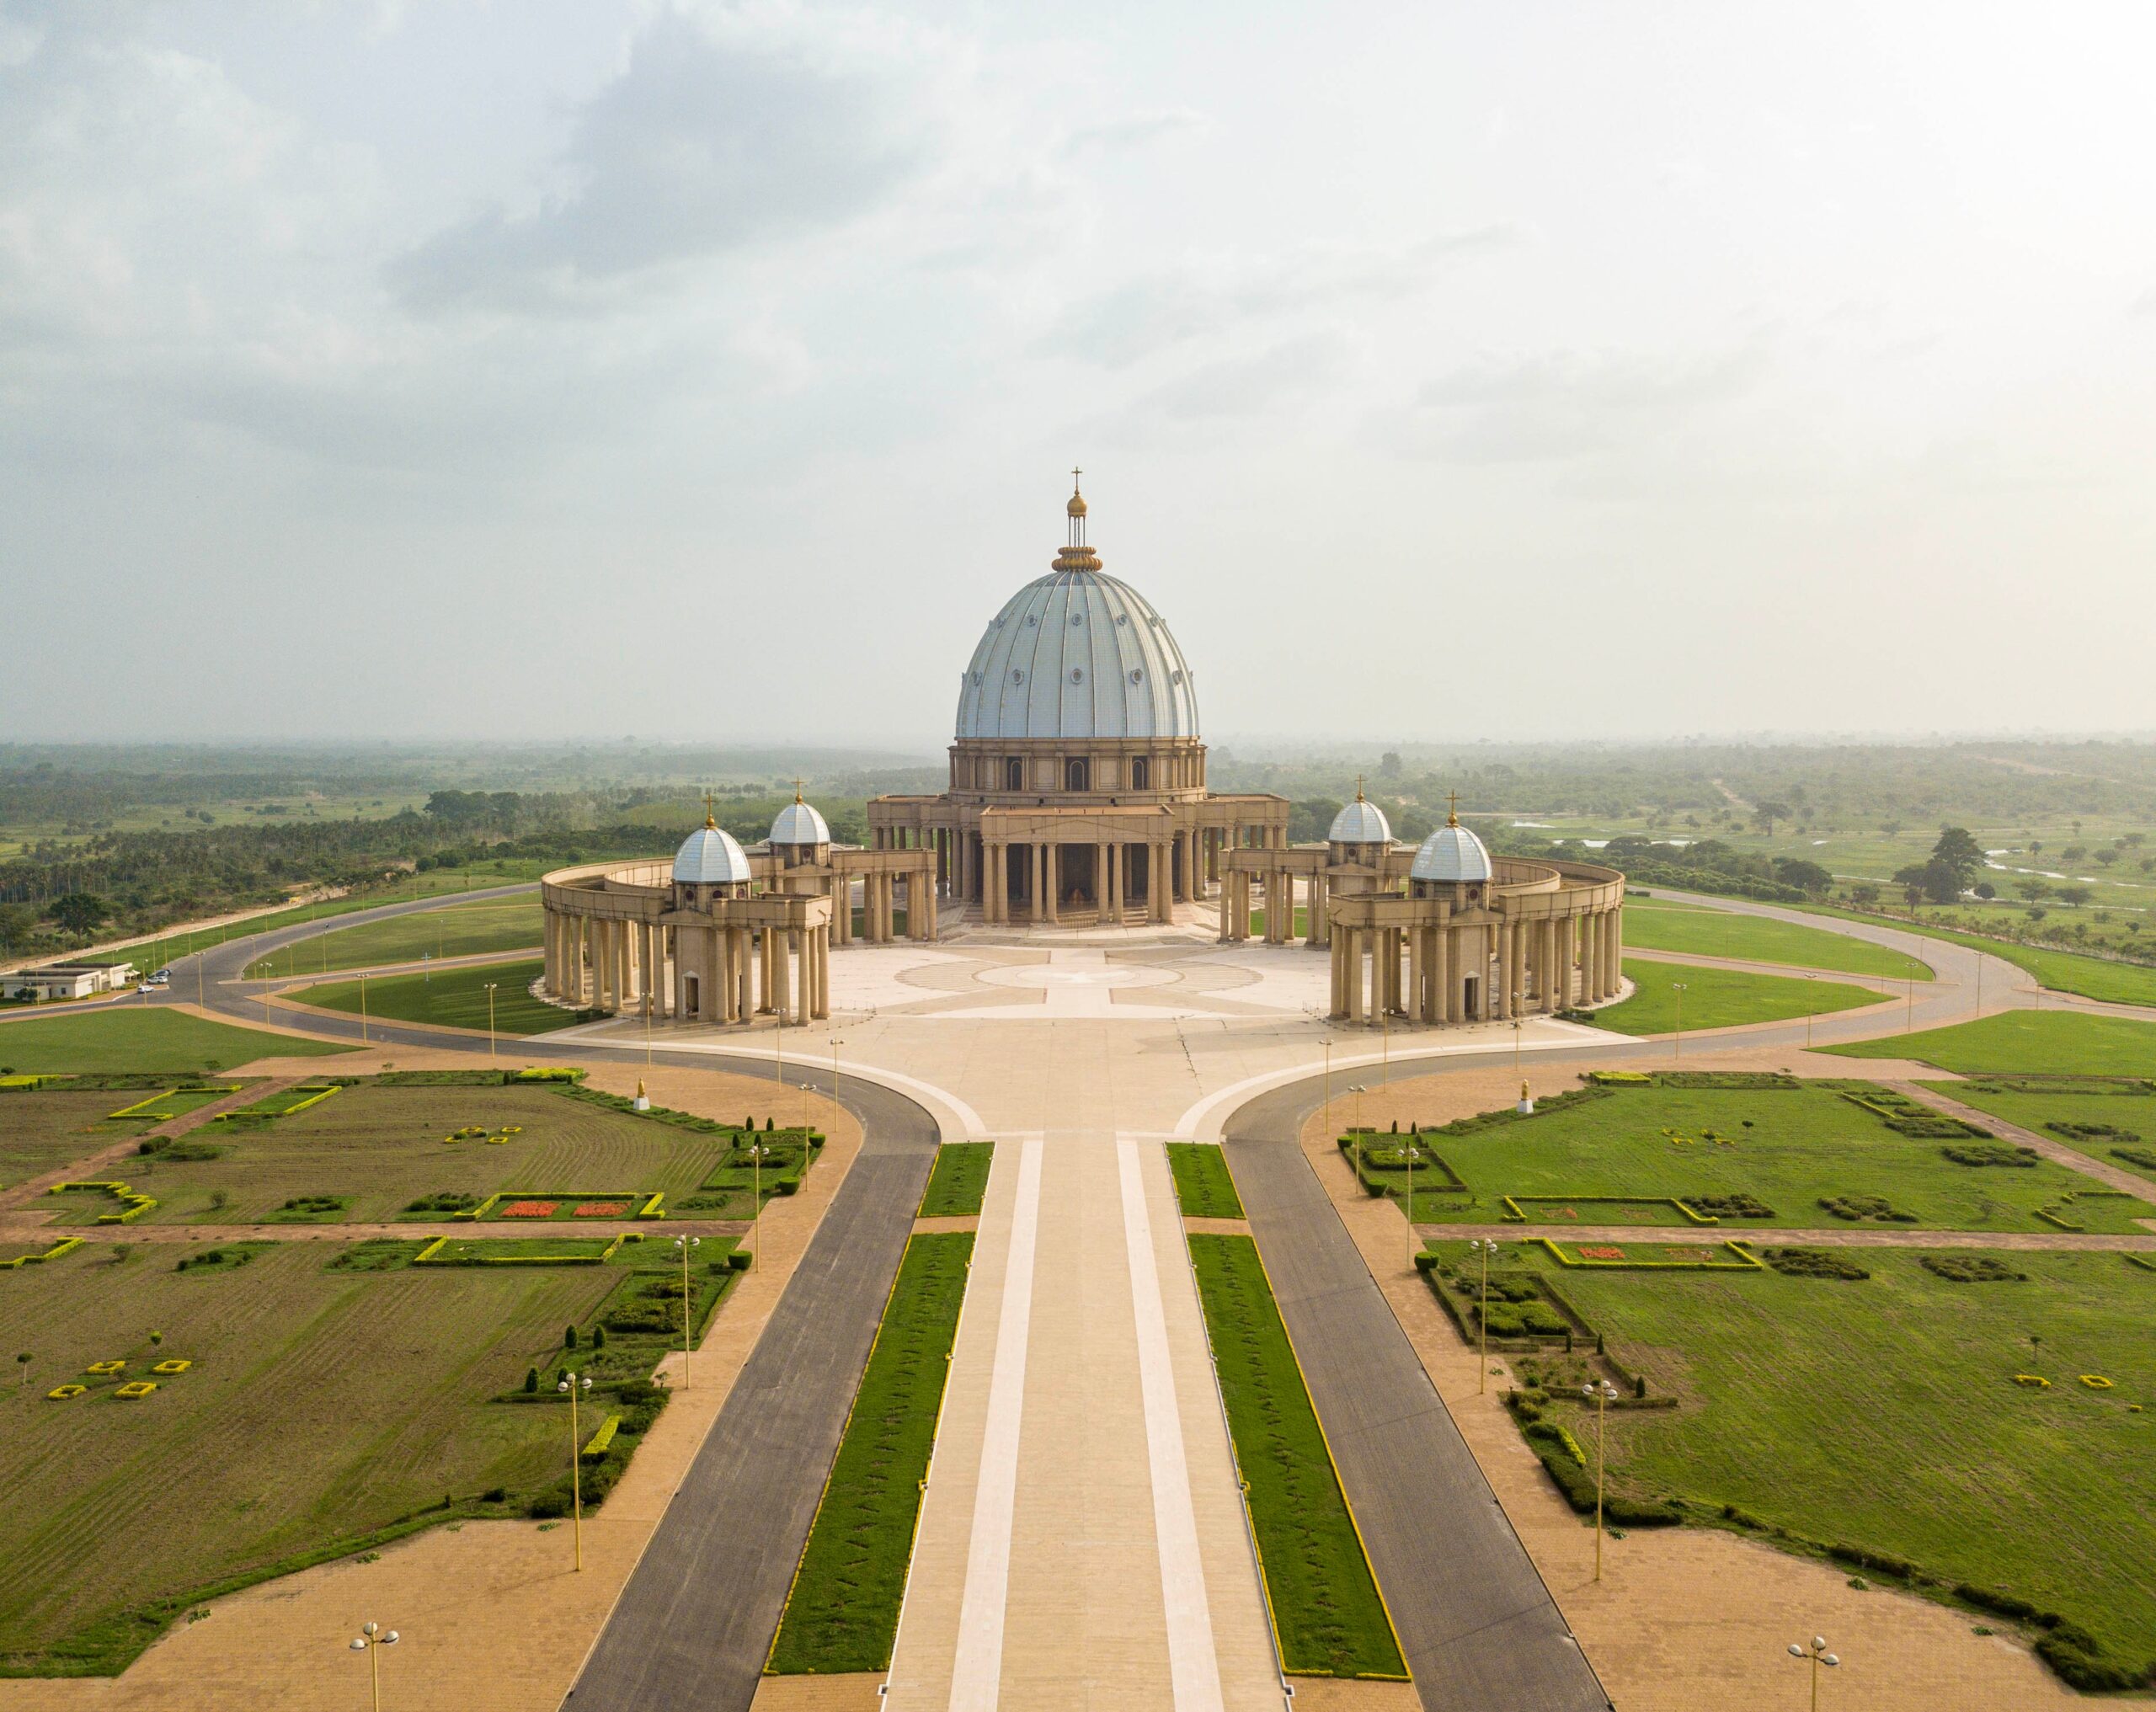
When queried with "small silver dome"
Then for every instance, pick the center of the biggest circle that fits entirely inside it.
(1361, 822)
(710, 856)
(1451, 853)
(798, 823)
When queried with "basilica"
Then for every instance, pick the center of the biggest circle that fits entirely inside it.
(1078, 800)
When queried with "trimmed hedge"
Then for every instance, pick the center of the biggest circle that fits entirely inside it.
(1556, 1449)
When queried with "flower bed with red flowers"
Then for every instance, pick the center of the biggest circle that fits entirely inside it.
(530, 1209)
(600, 1209)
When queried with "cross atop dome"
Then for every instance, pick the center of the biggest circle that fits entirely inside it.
(1076, 556)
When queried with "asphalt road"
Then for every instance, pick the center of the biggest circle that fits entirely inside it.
(1478, 1626)
(693, 1623)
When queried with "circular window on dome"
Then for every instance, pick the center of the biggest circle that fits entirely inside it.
(1031, 621)
(1018, 676)
(1137, 675)
(1077, 674)
(976, 680)
(1122, 618)
(1174, 677)
(1077, 618)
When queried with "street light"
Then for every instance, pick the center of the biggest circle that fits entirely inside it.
(685, 1246)
(1355, 1128)
(363, 1010)
(490, 1019)
(1910, 1026)
(1476, 1244)
(1603, 1395)
(1328, 1087)
(370, 1639)
(1809, 1007)
(1678, 988)
(570, 1387)
(1818, 1653)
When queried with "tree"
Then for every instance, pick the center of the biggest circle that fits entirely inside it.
(2107, 855)
(1934, 880)
(1389, 765)
(2074, 896)
(80, 912)
(1808, 877)
(1864, 896)
(1959, 855)
(17, 923)
(2036, 890)
(1985, 890)
(1765, 814)
(2073, 853)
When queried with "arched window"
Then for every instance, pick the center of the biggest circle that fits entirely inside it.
(1076, 775)
(1014, 773)
(1141, 774)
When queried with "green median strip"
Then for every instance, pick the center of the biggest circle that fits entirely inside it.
(1203, 1188)
(959, 1180)
(1326, 1613)
(843, 1611)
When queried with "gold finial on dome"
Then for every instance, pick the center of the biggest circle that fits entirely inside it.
(1076, 556)
(1452, 809)
(796, 790)
(1358, 788)
(711, 823)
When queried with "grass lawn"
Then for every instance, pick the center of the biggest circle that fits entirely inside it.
(1883, 1413)
(385, 1148)
(153, 954)
(2062, 970)
(1654, 925)
(1326, 1607)
(455, 930)
(2056, 1041)
(1721, 998)
(960, 1179)
(1804, 1145)
(450, 999)
(843, 1614)
(143, 1038)
(2132, 1113)
(40, 1131)
(285, 1438)
(1203, 1188)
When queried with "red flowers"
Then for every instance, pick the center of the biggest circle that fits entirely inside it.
(530, 1209)
(600, 1209)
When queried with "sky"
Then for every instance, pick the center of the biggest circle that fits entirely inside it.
(714, 372)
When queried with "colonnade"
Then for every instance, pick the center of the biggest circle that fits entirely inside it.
(691, 974)
(1273, 893)
(1477, 971)
(881, 894)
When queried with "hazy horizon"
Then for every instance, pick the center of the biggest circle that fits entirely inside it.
(380, 372)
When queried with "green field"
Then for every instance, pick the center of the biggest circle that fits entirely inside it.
(436, 882)
(1203, 1188)
(1883, 1413)
(142, 1038)
(1788, 1148)
(293, 1435)
(843, 1614)
(2056, 1041)
(2062, 971)
(1721, 998)
(2133, 1114)
(385, 1148)
(454, 930)
(1651, 924)
(960, 1179)
(451, 999)
(42, 1131)
(1326, 1607)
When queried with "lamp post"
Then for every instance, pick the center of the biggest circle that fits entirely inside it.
(490, 1019)
(571, 1388)
(370, 1639)
(363, 1010)
(685, 1246)
(1409, 1207)
(1910, 1026)
(1807, 1015)
(1818, 1653)
(1678, 988)
(1476, 1244)
(1355, 1128)
(1328, 1087)
(1602, 1394)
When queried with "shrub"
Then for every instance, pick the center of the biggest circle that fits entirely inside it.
(1733, 1206)
(1879, 1562)
(2142, 1156)
(530, 1381)
(1970, 1269)
(568, 1337)
(2091, 1132)
(1815, 1263)
(1857, 1207)
(1997, 1153)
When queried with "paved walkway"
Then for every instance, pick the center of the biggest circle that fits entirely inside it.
(1082, 1541)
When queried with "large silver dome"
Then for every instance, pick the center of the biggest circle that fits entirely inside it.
(1077, 654)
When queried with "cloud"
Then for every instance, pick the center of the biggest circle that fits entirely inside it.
(712, 139)
(1247, 386)
(1137, 130)
(1564, 406)
(1147, 315)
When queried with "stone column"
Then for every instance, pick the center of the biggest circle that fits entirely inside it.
(1506, 945)
(1052, 866)
(1164, 890)
(1616, 948)
(1357, 1003)
(717, 951)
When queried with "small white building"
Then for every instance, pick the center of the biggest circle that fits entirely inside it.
(64, 980)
